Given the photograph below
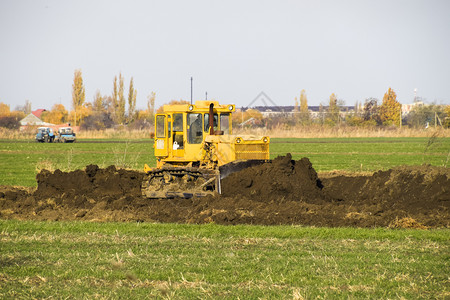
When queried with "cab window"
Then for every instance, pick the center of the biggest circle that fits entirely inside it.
(177, 122)
(160, 129)
(195, 132)
(215, 122)
(225, 123)
(178, 142)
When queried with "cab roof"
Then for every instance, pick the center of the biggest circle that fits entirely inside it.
(199, 106)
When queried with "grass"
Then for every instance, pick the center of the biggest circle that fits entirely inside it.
(168, 261)
(365, 154)
(21, 160)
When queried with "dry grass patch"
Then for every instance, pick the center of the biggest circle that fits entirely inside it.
(406, 222)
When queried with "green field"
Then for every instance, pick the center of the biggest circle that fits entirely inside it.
(21, 160)
(166, 261)
(86, 260)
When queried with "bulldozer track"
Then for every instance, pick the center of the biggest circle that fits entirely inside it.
(186, 182)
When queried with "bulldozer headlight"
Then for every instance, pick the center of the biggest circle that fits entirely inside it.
(238, 140)
(265, 139)
(230, 107)
(191, 107)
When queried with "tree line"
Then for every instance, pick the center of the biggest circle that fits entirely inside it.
(118, 109)
(101, 113)
(370, 113)
(105, 111)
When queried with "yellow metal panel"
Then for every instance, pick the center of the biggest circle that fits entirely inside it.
(252, 151)
(225, 153)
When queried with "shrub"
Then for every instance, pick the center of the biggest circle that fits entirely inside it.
(10, 122)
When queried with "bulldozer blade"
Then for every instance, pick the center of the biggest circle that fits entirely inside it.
(238, 165)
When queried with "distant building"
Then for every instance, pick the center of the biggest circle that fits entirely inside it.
(289, 111)
(406, 108)
(38, 112)
(33, 119)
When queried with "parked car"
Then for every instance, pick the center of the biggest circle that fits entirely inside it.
(65, 135)
(45, 135)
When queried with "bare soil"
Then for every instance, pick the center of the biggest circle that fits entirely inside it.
(283, 191)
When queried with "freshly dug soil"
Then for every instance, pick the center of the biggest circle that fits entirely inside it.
(283, 191)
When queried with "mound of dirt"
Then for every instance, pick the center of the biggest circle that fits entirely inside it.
(282, 178)
(283, 191)
(93, 182)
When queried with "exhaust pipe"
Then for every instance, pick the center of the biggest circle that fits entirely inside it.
(211, 119)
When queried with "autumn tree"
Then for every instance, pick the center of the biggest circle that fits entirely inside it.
(97, 103)
(78, 94)
(115, 98)
(57, 115)
(83, 112)
(4, 110)
(390, 109)
(100, 116)
(18, 114)
(333, 110)
(121, 106)
(132, 93)
(446, 122)
(151, 104)
(118, 100)
(172, 102)
(10, 119)
(304, 112)
(296, 105)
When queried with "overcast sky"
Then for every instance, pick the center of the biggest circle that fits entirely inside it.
(233, 49)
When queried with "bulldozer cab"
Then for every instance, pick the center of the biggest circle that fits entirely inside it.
(195, 149)
(181, 130)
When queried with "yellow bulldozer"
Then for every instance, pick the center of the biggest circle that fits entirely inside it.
(195, 149)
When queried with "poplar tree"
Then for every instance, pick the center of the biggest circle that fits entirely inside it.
(121, 105)
(118, 100)
(333, 109)
(78, 93)
(132, 93)
(115, 98)
(98, 102)
(304, 112)
(151, 105)
(296, 110)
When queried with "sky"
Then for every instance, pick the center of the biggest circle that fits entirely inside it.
(234, 50)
